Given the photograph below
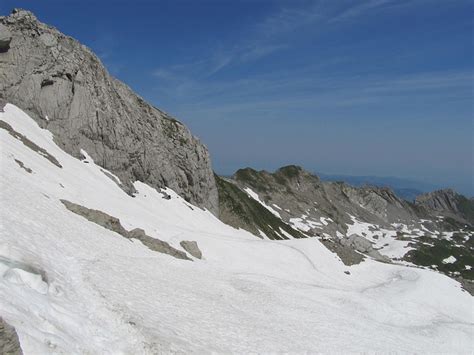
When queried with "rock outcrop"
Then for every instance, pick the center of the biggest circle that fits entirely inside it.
(440, 200)
(5, 38)
(113, 224)
(9, 343)
(67, 90)
(362, 245)
(449, 203)
(192, 248)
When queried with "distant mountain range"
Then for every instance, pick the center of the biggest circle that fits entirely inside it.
(405, 188)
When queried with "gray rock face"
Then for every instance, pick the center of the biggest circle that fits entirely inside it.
(364, 246)
(359, 243)
(448, 203)
(5, 38)
(441, 200)
(9, 343)
(67, 90)
(347, 254)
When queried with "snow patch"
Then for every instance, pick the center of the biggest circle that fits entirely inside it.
(449, 260)
(254, 195)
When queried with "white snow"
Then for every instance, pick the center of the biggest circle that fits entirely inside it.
(254, 195)
(298, 223)
(401, 227)
(449, 260)
(107, 295)
(304, 224)
(447, 235)
(383, 239)
(324, 220)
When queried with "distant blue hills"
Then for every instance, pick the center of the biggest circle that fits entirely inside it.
(404, 188)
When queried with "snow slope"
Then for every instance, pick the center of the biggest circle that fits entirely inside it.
(70, 286)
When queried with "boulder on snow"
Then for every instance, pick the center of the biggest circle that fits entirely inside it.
(192, 248)
(358, 243)
(156, 244)
(113, 224)
(363, 245)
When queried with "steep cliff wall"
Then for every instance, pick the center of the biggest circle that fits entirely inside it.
(65, 87)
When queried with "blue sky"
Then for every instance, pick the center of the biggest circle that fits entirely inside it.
(369, 87)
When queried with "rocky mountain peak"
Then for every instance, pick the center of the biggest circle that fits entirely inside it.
(440, 200)
(290, 170)
(67, 90)
(282, 179)
(24, 19)
(23, 15)
(295, 173)
(448, 202)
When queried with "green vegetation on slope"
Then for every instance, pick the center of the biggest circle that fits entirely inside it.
(252, 178)
(241, 211)
(432, 252)
(466, 207)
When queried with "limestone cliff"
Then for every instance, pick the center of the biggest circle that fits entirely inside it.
(65, 87)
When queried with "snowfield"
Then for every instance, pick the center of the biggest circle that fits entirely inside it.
(383, 239)
(69, 285)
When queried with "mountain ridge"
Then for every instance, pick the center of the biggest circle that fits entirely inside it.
(65, 87)
(369, 220)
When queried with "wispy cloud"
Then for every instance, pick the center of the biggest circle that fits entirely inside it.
(359, 9)
(289, 19)
(197, 92)
(347, 96)
(309, 92)
(274, 33)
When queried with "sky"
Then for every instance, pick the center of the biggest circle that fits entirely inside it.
(368, 87)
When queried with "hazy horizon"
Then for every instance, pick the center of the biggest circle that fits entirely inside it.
(374, 87)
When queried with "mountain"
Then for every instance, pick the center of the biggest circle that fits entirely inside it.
(110, 240)
(359, 222)
(404, 188)
(449, 202)
(67, 90)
